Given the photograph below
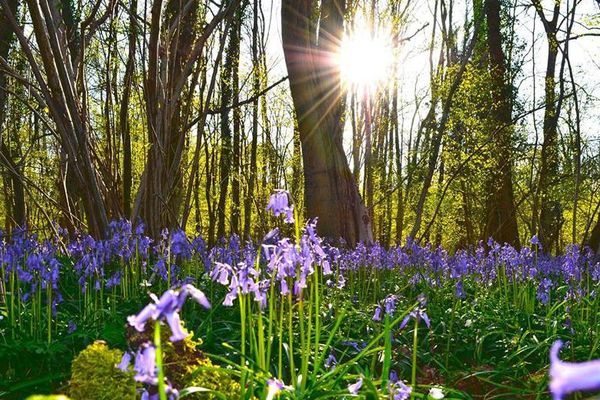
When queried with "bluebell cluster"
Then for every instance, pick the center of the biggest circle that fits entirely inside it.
(251, 268)
(129, 261)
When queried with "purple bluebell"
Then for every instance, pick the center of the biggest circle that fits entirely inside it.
(400, 391)
(180, 245)
(459, 290)
(271, 237)
(358, 346)
(145, 365)
(355, 387)
(125, 361)
(167, 308)
(197, 295)
(543, 291)
(390, 304)
(418, 314)
(568, 377)
(393, 376)
(279, 204)
(274, 386)
(330, 361)
(535, 241)
(377, 315)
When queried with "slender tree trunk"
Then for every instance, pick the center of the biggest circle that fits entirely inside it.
(441, 128)
(256, 79)
(237, 127)
(550, 207)
(368, 192)
(174, 47)
(66, 107)
(501, 218)
(228, 165)
(124, 125)
(16, 214)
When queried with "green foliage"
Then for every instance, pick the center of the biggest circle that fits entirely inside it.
(185, 365)
(50, 397)
(95, 375)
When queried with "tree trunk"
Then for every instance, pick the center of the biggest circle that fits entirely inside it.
(501, 218)
(13, 176)
(256, 77)
(124, 110)
(330, 191)
(174, 47)
(550, 207)
(66, 107)
(229, 94)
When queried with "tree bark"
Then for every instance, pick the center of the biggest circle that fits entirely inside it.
(330, 191)
(174, 47)
(229, 95)
(256, 76)
(501, 219)
(550, 206)
(124, 125)
(17, 212)
(66, 107)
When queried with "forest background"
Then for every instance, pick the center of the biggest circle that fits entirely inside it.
(475, 119)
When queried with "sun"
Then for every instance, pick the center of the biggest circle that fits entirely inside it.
(364, 59)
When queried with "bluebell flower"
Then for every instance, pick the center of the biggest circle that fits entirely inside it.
(459, 292)
(197, 295)
(271, 237)
(279, 204)
(377, 315)
(355, 387)
(125, 361)
(355, 345)
(568, 377)
(274, 386)
(535, 241)
(330, 362)
(400, 391)
(390, 304)
(145, 365)
(167, 308)
(418, 314)
(341, 281)
(543, 291)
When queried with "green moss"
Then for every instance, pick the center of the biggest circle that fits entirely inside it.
(48, 397)
(94, 375)
(185, 365)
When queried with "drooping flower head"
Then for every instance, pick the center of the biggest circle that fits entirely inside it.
(399, 390)
(279, 204)
(166, 308)
(274, 386)
(355, 387)
(418, 313)
(145, 365)
(568, 377)
(330, 362)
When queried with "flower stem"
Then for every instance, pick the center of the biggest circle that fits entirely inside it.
(413, 378)
(387, 353)
(162, 390)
